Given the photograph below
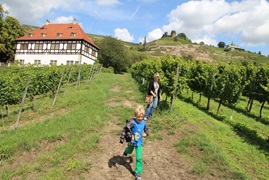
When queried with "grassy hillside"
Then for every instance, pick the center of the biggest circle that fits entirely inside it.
(71, 139)
(28, 28)
(203, 52)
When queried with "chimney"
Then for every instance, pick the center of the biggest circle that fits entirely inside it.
(47, 22)
(75, 21)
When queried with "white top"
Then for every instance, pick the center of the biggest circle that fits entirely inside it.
(156, 87)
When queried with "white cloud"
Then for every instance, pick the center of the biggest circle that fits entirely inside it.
(124, 35)
(259, 35)
(63, 19)
(33, 12)
(207, 40)
(205, 20)
(155, 34)
(28, 12)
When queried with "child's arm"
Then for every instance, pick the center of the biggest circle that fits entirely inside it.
(122, 136)
(146, 131)
(126, 132)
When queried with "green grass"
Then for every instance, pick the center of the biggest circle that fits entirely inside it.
(169, 41)
(218, 142)
(215, 144)
(235, 57)
(71, 127)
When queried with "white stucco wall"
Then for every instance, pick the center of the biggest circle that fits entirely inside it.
(45, 59)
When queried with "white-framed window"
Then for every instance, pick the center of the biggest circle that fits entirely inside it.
(69, 62)
(21, 62)
(72, 34)
(59, 34)
(42, 35)
(37, 62)
(24, 47)
(94, 53)
(54, 46)
(53, 62)
(38, 46)
(87, 49)
(71, 46)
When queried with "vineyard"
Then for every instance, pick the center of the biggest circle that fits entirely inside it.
(226, 84)
(19, 83)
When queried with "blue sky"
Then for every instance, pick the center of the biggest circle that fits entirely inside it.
(243, 22)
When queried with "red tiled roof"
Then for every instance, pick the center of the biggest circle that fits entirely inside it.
(52, 32)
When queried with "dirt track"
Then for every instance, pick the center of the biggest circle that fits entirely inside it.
(160, 159)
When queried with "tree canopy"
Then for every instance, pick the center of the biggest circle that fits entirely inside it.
(221, 44)
(182, 36)
(10, 30)
(114, 54)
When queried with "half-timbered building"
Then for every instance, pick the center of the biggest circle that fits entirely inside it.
(56, 44)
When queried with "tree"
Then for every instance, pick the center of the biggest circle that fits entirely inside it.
(2, 12)
(201, 80)
(261, 93)
(114, 54)
(145, 43)
(221, 44)
(229, 85)
(10, 30)
(182, 36)
(251, 85)
(165, 34)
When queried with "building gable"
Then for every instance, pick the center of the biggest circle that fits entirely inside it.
(70, 31)
(56, 44)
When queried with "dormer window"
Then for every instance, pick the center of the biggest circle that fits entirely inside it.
(42, 28)
(59, 34)
(29, 35)
(70, 27)
(72, 34)
(43, 35)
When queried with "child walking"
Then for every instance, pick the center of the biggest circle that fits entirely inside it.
(133, 132)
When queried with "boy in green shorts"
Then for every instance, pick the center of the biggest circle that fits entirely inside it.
(133, 132)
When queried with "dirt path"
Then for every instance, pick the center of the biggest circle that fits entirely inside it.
(160, 159)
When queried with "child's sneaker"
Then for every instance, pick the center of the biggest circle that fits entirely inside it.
(138, 177)
(124, 155)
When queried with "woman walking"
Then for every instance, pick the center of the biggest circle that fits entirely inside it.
(154, 90)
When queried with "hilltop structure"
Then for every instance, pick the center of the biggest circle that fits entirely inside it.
(233, 47)
(173, 33)
(56, 44)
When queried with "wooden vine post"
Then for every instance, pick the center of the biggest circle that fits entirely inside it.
(175, 90)
(90, 73)
(78, 79)
(22, 102)
(69, 76)
(100, 68)
(58, 88)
